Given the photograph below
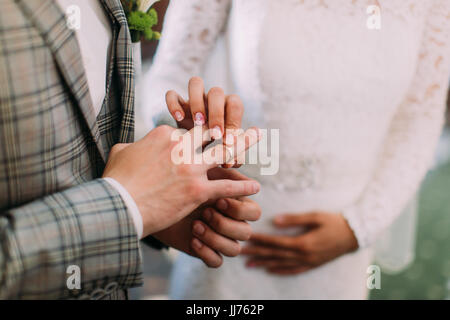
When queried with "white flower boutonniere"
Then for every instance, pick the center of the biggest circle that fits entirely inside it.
(141, 19)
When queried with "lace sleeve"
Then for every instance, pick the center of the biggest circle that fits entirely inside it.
(190, 31)
(413, 135)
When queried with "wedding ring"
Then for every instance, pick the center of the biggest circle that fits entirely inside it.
(230, 153)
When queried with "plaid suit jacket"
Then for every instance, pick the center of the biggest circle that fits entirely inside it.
(55, 210)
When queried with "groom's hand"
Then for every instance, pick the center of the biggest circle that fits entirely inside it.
(166, 192)
(213, 229)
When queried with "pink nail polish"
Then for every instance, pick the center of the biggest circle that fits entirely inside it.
(199, 119)
(178, 116)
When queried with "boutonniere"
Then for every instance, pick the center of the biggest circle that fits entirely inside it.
(141, 19)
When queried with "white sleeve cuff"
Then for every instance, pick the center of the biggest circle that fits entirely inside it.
(131, 205)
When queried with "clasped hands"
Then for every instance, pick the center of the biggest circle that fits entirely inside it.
(198, 208)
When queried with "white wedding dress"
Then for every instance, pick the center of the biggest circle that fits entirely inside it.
(359, 112)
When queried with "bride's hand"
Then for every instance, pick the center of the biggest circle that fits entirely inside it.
(221, 113)
(329, 236)
(214, 229)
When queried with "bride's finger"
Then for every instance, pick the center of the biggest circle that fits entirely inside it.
(288, 271)
(196, 100)
(234, 111)
(230, 228)
(216, 112)
(274, 263)
(174, 104)
(244, 209)
(220, 154)
(212, 239)
(267, 252)
(211, 258)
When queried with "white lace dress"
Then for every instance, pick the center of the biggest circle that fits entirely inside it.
(359, 113)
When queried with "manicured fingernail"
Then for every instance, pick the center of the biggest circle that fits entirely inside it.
(207, 214)
(222, 204)
(216, 133)
(199, 229)
(199, 119)
(229, 139)
(178, 116)
(196, 243)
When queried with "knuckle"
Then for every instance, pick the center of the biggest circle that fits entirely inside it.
(315, 216)
(184, 170)
(197, 191)
(163, 130)
(311, 259)
(228, 188)
(305, 246)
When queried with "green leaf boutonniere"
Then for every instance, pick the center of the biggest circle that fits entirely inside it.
(141, 19)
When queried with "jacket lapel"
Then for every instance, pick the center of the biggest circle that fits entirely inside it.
(124, 67)
(49, 19)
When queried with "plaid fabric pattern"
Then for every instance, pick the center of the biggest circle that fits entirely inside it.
(55, 210)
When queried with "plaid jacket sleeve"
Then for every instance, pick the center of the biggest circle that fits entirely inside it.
(55, 211)
(87, 226)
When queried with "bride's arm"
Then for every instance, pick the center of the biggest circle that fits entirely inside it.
(191, 28)
(409, 146)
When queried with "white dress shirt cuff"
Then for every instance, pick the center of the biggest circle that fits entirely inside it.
(131, 205)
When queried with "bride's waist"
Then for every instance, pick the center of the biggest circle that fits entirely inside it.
(274, 201)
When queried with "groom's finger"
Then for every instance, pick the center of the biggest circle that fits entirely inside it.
(216, 112)
(230, 189)
(197, 100)
(174, 104)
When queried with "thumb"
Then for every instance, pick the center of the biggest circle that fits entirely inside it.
(299, 219)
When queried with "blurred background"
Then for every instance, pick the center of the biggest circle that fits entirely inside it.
(427, 277)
